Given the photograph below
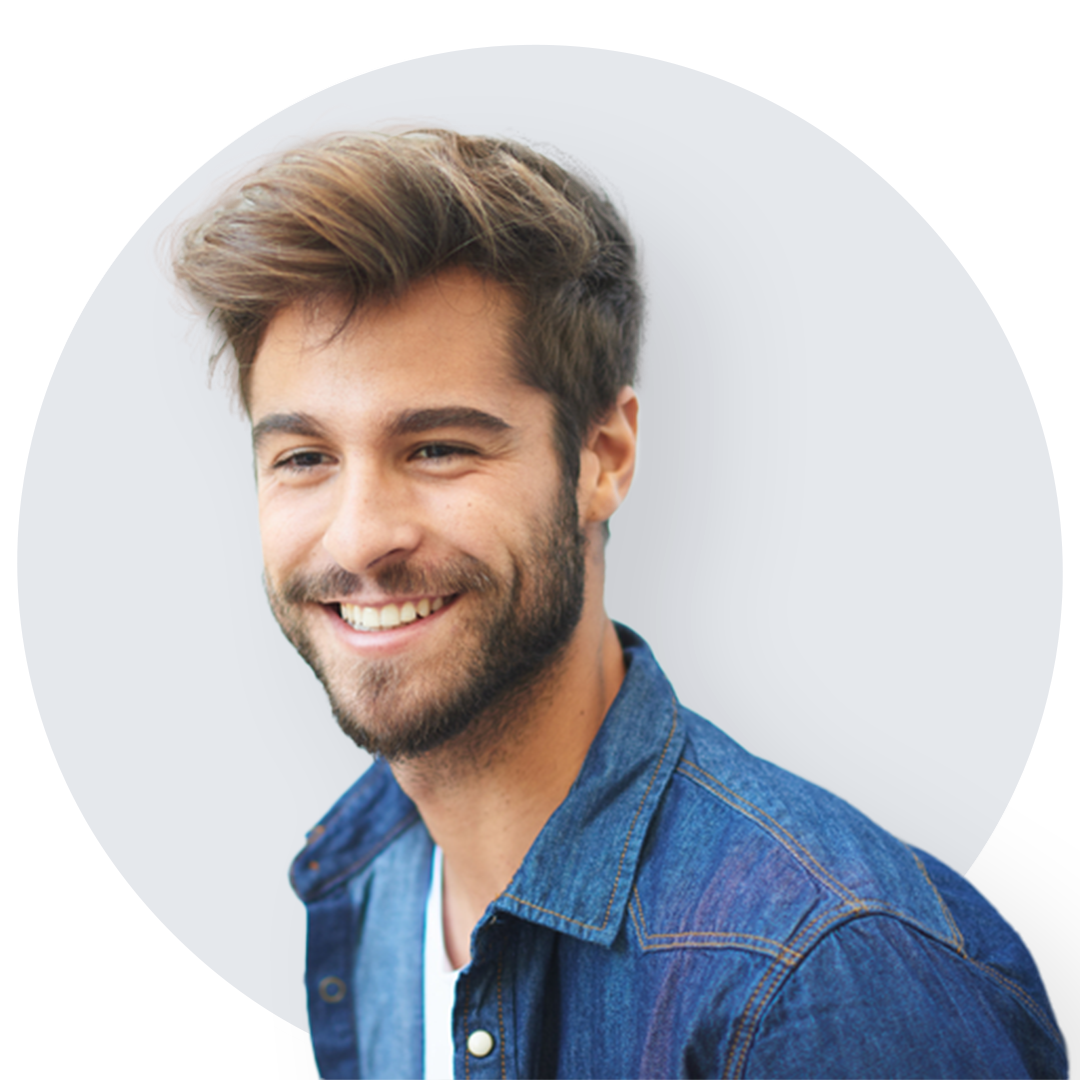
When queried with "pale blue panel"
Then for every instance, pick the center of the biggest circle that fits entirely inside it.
(968, 170)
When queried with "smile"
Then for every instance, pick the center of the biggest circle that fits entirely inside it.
(388, 616)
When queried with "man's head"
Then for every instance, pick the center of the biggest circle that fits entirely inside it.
(363, 218)
(434, 337)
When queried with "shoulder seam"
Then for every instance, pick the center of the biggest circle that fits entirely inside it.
(737, 802)
(957, 937)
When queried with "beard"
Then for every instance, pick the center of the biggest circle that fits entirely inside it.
(515, 633)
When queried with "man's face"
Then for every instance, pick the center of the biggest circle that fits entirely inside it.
(423, 550)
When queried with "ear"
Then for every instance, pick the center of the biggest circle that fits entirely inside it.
(607, 460)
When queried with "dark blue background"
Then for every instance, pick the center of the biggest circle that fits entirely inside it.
(844, 543)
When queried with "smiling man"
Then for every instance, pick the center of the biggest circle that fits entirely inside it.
(553, 868)
(423, 545)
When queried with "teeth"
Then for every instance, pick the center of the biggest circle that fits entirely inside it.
(389, 615)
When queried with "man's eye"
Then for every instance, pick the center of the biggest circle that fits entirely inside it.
(434, 451)
(301, 460)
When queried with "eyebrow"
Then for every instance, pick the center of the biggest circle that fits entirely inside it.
(297, 423)
(455, 416)
(413, 422)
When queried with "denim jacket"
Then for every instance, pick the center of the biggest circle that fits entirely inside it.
(688, 910)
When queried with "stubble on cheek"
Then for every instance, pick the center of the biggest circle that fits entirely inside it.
(403, 705)
(508, 632)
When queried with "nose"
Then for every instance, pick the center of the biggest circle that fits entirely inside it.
(373, 520)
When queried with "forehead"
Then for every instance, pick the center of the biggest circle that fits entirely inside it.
(448, 337)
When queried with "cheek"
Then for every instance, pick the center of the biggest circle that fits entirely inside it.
(289, 531)
(494, 527)
(477, 508)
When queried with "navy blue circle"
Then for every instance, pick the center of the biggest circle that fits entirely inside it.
(844, 543)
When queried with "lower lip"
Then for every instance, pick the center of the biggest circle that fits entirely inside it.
(389, 640)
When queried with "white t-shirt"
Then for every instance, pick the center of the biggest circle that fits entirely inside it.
(439, 982)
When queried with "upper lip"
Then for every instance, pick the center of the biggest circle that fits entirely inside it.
(382, 601)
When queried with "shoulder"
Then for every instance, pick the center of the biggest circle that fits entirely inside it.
(850, 926)
(788, 857)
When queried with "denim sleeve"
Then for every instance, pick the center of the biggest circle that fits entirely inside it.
(877, 998)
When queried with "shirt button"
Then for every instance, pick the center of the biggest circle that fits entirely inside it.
(480, 1043)
(332, 989)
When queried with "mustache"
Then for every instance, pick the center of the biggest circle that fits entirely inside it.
(465, 574)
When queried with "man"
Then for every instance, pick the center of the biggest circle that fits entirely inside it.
(553, 868)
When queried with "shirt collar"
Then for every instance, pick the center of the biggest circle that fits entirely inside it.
(369, 816)
(576, 877)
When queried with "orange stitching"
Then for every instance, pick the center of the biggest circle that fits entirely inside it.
(370, 856)
(733, 934)
(637, 929)
(777, 973)
(557, 914)
(736, 941)
(856, 905)
(737, 936)
(827, 918)
(772, 972)
(465, 1021)
(626, 842)
(1050, 1026)
(502, 1036)
(362, 784)
(787, 961)
(859, 903)
(825, 921)
(633, 822)
(826, 876)
(958, 938)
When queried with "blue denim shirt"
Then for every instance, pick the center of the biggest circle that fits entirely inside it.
(689, 910)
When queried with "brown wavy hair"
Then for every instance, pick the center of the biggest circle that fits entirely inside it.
(362, 217)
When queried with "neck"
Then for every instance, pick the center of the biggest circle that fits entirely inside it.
(485, 809)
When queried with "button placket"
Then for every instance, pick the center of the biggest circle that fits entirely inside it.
(484, 1056)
